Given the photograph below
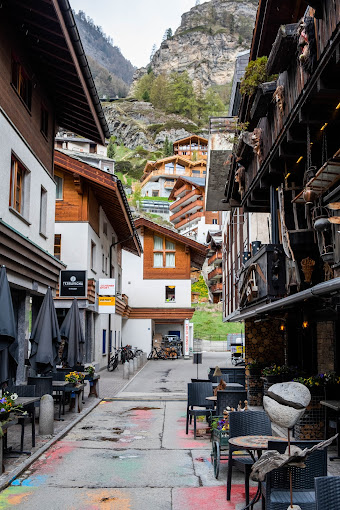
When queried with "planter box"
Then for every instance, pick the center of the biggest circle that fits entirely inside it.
(255, 389)
(262, 100)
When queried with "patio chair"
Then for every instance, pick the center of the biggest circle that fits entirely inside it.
(247, 423)
(197, 393)
(275, 490)
(229, 397)
(25, 391)
(327, 492)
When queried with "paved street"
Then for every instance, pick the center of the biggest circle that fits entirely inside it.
(131, 452)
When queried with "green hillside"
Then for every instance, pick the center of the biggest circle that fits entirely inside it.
(208, 323)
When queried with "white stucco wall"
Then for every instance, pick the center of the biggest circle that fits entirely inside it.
(138, 333)
(146, 190)
(102, 323)
(202, 230)
(151, 293)
(259, 227)
(36, 178)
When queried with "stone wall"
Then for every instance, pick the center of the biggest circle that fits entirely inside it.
(325, 345)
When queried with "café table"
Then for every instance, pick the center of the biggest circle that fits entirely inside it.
(254, 444)
(59, 387)
(335, 406)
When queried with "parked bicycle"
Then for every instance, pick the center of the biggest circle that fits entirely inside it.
(113, 360)
(126, 353)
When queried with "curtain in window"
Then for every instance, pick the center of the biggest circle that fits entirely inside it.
(158, 259)
(169, 245)
(157, 243)
(170, 260)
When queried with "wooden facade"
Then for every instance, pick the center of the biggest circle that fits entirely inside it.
(191, 147)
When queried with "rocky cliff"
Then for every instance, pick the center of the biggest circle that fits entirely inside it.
(137, 123)
(207, 42)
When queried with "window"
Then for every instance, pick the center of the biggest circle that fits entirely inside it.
(59, 187)
(214, 222)
(57, 246)
(103, 263)
(163, 252)
(170, 293)
(169, 168)
(105, 228)
(43, 211)
(18, 185)
(21, 82)
(93, 255)
(180, 170)
(155, 192)
(44, 121)
(104, 342)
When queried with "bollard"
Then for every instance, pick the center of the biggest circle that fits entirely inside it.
(46, 419)
(126, 371)
(145, 357)
(135, 367)
(139, 361)
(130, 363)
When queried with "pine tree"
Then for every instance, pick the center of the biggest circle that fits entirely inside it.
(169, 33)
(167, 148)
(111, 148)
(159, 92)
(182, 99)
(153, 51)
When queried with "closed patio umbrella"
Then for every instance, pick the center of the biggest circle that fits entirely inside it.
(71, 329)
(8, 331)
(45, 337)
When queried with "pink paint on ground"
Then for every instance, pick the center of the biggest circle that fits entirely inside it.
(53, 457)
(192, 498)
(188, 442)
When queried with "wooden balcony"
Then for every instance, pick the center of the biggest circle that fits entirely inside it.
(216, 258)
(216, 274)
(169, 184)
(190, 197)
(217, 288)
(186, 188)
(189, 209)
(191, 218)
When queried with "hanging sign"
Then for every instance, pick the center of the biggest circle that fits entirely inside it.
(186, 337)
(73, 284)
(106, 287)
(106, 304)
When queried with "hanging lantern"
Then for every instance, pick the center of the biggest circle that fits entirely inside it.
(309, 196)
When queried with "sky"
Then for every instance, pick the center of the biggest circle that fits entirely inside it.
(135, 25)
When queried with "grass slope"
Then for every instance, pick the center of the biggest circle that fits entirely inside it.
(208, 324)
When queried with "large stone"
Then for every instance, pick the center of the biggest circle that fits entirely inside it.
(284, 416)
(46, 418)
(292, 394)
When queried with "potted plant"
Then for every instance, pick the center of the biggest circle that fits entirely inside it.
(90, 369)
(255, 367)
(8, 405)
(74, 378)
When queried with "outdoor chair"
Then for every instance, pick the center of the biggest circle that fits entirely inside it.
(246, 423)
(275, 489)
(327, 492)
(25, 391)
(197, 393)
(229, 397)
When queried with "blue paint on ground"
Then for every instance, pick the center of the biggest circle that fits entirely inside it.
(34, 481)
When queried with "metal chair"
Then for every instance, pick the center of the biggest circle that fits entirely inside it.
(327, 492)
(275, 490)
(247, 423)
(197, 393)
(229, 397)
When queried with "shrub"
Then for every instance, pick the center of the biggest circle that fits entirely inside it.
(255, 74)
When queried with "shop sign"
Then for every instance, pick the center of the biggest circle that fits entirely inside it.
(73, 284)
(106, 304)
(106, 287)
(186, 337)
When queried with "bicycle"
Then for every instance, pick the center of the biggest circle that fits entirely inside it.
(157, 353)
(113, 361)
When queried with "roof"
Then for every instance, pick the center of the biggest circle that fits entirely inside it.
(85, 155)
(49, 33)
(215, 237)
(198, 251)
(193, 138)
(198, 182)
(110, 195)
(179, 159)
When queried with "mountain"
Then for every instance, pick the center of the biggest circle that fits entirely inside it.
(206, 43)
(111, 71)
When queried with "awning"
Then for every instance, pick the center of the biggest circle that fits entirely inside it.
(330, 287)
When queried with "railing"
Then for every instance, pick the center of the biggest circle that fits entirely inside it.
(182, 189)
(198, 204)
(184, 199)
(191, 218)
(216, 273)
(216, 257)
(218, 287)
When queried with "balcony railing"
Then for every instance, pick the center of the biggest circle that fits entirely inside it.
(217, 288)
(186, 188)
(190, 219)
(191, 208)
(215, 259)
(182, 201)
(216, 274)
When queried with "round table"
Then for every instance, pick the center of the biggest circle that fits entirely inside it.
(251, 443)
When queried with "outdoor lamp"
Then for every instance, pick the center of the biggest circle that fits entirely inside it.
(305, 324)
(217, 372)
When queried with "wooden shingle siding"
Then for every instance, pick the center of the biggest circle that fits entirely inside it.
(181, 271)
(27, 122)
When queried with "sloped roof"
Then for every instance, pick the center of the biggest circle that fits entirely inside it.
(110, 195)
(48, 31)
(194, 138)
(198, 251)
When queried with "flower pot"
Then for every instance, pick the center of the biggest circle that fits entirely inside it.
(4, 416)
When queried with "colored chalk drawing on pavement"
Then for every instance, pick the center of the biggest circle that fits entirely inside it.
(13, 496)
(191, 498)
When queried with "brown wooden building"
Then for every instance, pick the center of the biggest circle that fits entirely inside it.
(191, 147)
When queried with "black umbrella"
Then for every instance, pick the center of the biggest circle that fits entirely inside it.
(71, 329)
(45, 337)
(8, 331)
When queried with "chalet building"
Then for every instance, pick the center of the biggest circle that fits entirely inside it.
(160, 176)
(215, 273)
(286, 165)
(158, 285)
(192, 147)
(188, 213)
(44, 81)
(93, 226)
